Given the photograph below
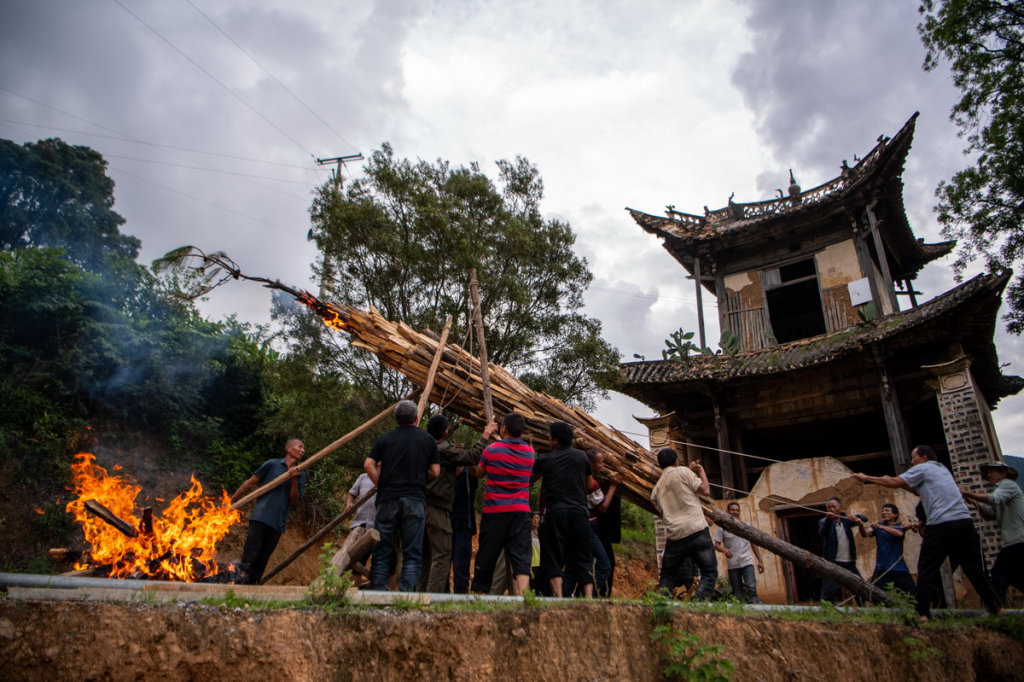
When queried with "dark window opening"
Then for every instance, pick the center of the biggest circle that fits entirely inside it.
(795, 310)
(803, 268)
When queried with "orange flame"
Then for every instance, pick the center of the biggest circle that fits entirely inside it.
(330, 316)
(38, 510)
(188, 528)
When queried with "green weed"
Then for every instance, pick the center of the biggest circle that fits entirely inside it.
(688, 659)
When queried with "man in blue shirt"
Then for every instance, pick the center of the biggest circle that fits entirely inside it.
(890, 568)
(950, 527)
(270, 516)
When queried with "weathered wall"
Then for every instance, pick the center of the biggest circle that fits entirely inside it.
(601, 641)
(811, 482)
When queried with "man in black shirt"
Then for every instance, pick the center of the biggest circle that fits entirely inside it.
(400, 463)
(565, 527)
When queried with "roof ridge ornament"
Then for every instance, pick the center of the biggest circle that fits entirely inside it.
(794, 189)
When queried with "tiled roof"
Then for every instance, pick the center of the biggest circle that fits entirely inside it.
(983, 290)
(883, 166)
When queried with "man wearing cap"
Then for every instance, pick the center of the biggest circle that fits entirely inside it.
(1005, 503)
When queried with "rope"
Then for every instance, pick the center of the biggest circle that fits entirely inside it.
(733, 452)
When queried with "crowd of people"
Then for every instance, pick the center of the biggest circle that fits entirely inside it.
(424, 511)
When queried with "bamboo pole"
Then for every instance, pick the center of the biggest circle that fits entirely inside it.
(344, 440)
(478, 321)
(319, 534)
(432, 374)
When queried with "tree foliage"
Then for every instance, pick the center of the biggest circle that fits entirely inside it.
(983, 206)
(89, 335)
(55, 194)
(403, 238)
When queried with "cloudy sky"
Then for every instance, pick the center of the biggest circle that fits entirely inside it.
(211, 114)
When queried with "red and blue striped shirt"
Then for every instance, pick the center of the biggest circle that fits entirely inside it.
(508, 465)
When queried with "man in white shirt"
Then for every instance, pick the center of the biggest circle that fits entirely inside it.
(950, 530)
(676, 498)
(739, 559)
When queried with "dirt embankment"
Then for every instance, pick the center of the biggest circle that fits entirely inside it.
(81, 641)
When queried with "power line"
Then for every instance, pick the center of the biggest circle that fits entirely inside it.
(203, 201)
(128, 138)
(209, 170)
(120, 138)
(266, 71)
(213, 78)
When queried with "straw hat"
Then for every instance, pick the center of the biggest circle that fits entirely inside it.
(1000, 465)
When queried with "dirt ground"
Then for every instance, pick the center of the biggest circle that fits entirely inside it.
(601, 641)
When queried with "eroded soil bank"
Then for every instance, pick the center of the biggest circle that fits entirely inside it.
(99, 641)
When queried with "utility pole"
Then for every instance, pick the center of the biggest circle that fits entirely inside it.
(341, 161)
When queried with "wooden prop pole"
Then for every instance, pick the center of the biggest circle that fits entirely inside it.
(357, 545)
(432, 374)
(801, 557)
(478, 321)
(319, 534)
(344, 440)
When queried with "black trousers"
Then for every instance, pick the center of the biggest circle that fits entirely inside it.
(1008, 570)
(697, 546)
(259, 545)
(959, 541)
(832, 591)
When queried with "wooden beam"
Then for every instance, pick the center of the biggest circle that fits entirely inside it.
(700, 302)
(344, 440)
(107, 516)
(798, 556)
(432, 374)
(478, 321)
(724, 458)
(356, 547)
(894, 425)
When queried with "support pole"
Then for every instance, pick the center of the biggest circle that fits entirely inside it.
(341, 442)
(432, 374)
(700, 303)
(724, 458)
(485, 375)
(319, 534)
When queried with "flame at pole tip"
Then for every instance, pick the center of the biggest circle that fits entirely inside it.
(329, 315)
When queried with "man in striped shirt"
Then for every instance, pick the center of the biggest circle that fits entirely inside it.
(505, 525)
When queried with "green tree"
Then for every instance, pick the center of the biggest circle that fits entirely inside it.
(983, 206)
(55, 194)
(403, 238)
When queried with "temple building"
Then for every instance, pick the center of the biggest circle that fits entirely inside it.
(825, 365)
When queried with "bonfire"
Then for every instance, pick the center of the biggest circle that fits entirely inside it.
(178, 543)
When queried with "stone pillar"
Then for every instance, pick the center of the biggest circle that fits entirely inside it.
(970, 436)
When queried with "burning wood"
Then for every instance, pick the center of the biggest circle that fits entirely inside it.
(177, 544)
(65, 554)
(107, 516)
